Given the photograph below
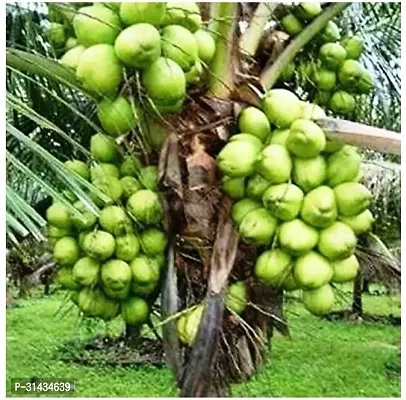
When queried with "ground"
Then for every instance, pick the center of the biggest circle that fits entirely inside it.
(323, 359)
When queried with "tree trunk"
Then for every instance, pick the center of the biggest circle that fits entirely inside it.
(357, 295)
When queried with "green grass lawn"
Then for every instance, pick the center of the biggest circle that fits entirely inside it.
(323, 359)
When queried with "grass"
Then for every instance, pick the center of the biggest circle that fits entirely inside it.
(323, 359)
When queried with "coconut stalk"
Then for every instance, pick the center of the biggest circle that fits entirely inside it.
(251, 38)
(221, 69)
(271, 74)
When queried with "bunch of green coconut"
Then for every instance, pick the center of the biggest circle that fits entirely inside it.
(298, 197)
(111, 261)
(337, 75)
(162, 42)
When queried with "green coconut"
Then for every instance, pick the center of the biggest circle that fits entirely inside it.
(291, 24)
(85, 220)
(233, 187)
(312, 111)
(283, 201)
(309, 173)
(274, 164)
(319, 207)
(70, 43)
(103, 149)
(180, 328)
(131, 166)
(58, 215)
(247, 137)
(237, 159)
(272, 267)
(155, 132)
(164, 83)
(94, 25)
(115, 220)
(55, 232)
(253, 121)
(71, 58)
(337, 241)
(115, 275)
(81, 239)
(330, 33)
(308, 10)
(365, 83)
(184, 14)
(342, 102)
(192, 324)
(282, 107)
(134, 13)
(86, 271)
(103, 171)
(333, 145)
(146, 207)
(127, 247)
(345, 270)
(354, 47)
(206, 45)
(149, 177)
(56, 35)
(64, 277)
(180, 45)
(319, 301)
(79, 167)
(332, 55)
(236, 297)
(130, 186)
(153, 241)
(144, 290)
(258, 227)
(312, 270)
(99, 245)
(101, 81)
(324, 79)
(322, 98)
(352, 198)
(289, 284)
(343, 166)
(116, 116)
(111, 186)
(297, 237)
(256, 187)
(306, 139)
(145, 270)
(135, 311)
(138, 45)
(279, 136)
(194, 74)
(361, 223)
(350, 74)
(94, 303)
(242, 208)
(66, 251)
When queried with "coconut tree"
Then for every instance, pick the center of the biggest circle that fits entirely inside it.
(52, 114)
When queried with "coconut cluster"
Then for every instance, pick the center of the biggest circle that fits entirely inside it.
(337, 75)
(297, 196)
(164, 42)
(111, 261)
